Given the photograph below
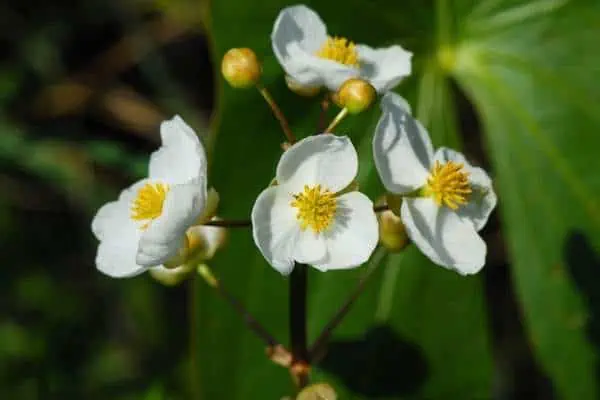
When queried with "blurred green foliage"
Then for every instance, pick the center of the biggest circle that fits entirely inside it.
(513, 83)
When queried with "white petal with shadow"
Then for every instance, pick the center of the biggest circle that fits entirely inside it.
(483, 199)
(323, 159)
(402, 149)
(384, 67)
(443, 236)
(165, 235)
(275, 228)
(354, 235)
(181, 157)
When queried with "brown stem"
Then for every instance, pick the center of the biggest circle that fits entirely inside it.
(383, 207)
(252, 323)
(232, 223)
(323, 114)
(285, 126)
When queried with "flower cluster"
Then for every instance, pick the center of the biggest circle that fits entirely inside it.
(312, 213)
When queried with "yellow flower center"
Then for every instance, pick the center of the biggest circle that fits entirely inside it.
(340, 50)
(316, 208)
(148, 204)
(448, 184)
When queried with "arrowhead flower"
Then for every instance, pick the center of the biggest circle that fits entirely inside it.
(447, 200)
(146, 227)
(312, 58)
(307, 217)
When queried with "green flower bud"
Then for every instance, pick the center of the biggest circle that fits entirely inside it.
(392, 234)
(240, 68)
(317, 391)
(356, 95)
(172, 276)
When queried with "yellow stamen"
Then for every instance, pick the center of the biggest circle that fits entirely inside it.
(148, 204)
(448, 184)
(340, 50)
(316, 208)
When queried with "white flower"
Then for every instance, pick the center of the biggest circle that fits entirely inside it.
(146, 226)
(448, 200)
(312, 58)
(305, 218)
(203, 243)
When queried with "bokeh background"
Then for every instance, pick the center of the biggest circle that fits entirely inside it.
(84, 86)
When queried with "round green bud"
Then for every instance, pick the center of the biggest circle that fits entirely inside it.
(240, 68)
(356, 95)
(392, 234)
(316, 392)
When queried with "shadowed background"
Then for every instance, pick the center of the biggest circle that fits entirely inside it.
(83, 89)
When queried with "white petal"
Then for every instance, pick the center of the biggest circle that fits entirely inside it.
(309, 248)
(446, 238)
(354, 236)
(483, 199)
(323, 159)
(115, 215)
(298, 31)
(297, 35)
(208, 239)
(402, 149)
(116, 254)
(275, 228)
(181, 157)
(166, 234)
(384, 68)
(298, 24)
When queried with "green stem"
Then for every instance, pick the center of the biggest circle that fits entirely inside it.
(338, 118)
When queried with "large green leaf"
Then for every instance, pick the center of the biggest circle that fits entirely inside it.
(418, 331)
(532, 71)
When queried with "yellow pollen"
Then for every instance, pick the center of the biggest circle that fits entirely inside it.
(448, 184)
(340, 50)
(148, 203)
(316, 208)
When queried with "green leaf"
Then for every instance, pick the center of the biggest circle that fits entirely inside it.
(433, 319)
(531, 70)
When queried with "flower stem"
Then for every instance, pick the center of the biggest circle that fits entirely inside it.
(300, 355)
(232, 223)
(317, 350)
(285, 126)
(324, 107)
(383, 207)
(338, 118)
(255, 326)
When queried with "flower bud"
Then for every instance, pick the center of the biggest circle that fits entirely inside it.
(171, 276)
(301, 90)
(392, 234)
(240, 68)
(317, 391)
(356, 95)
